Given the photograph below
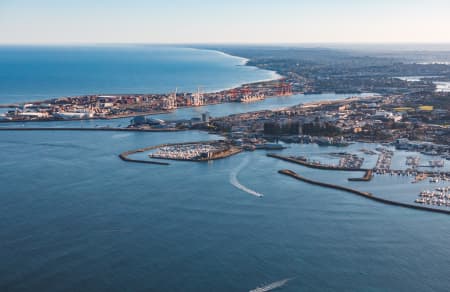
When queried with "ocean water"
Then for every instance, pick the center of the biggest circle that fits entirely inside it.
(74, 217)
(33, 73)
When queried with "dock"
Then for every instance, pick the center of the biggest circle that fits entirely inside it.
(367, 176)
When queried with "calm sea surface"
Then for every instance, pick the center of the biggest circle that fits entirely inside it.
(74, 217)
(31, 73)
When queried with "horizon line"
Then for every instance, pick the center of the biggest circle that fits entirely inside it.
(230, 43)
(393, 46)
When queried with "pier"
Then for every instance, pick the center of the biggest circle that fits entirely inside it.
(360, 193)
(367, 176)
(384, 160)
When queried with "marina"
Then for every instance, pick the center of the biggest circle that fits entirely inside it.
(438, 197)
(348, 160)
(413, 161)
(198, 151)
(363, 194)
(384, 161)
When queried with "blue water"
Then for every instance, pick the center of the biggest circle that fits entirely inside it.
(32, 73)
(74, 217)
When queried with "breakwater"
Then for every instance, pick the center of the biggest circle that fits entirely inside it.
(111, 117)
(366, 195)
(124, 156)
(88, 129)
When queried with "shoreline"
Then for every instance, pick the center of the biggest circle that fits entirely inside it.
(274, 76)
(306, 104)
(272, 84)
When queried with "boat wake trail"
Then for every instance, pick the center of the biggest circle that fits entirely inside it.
(271, 286)
(235, 182)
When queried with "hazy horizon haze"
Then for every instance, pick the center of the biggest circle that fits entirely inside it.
(235, 22)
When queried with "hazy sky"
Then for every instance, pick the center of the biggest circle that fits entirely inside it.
(236, 21)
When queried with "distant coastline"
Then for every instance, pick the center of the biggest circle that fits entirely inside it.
(245, 62)
(87, 107)
(39, 95)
